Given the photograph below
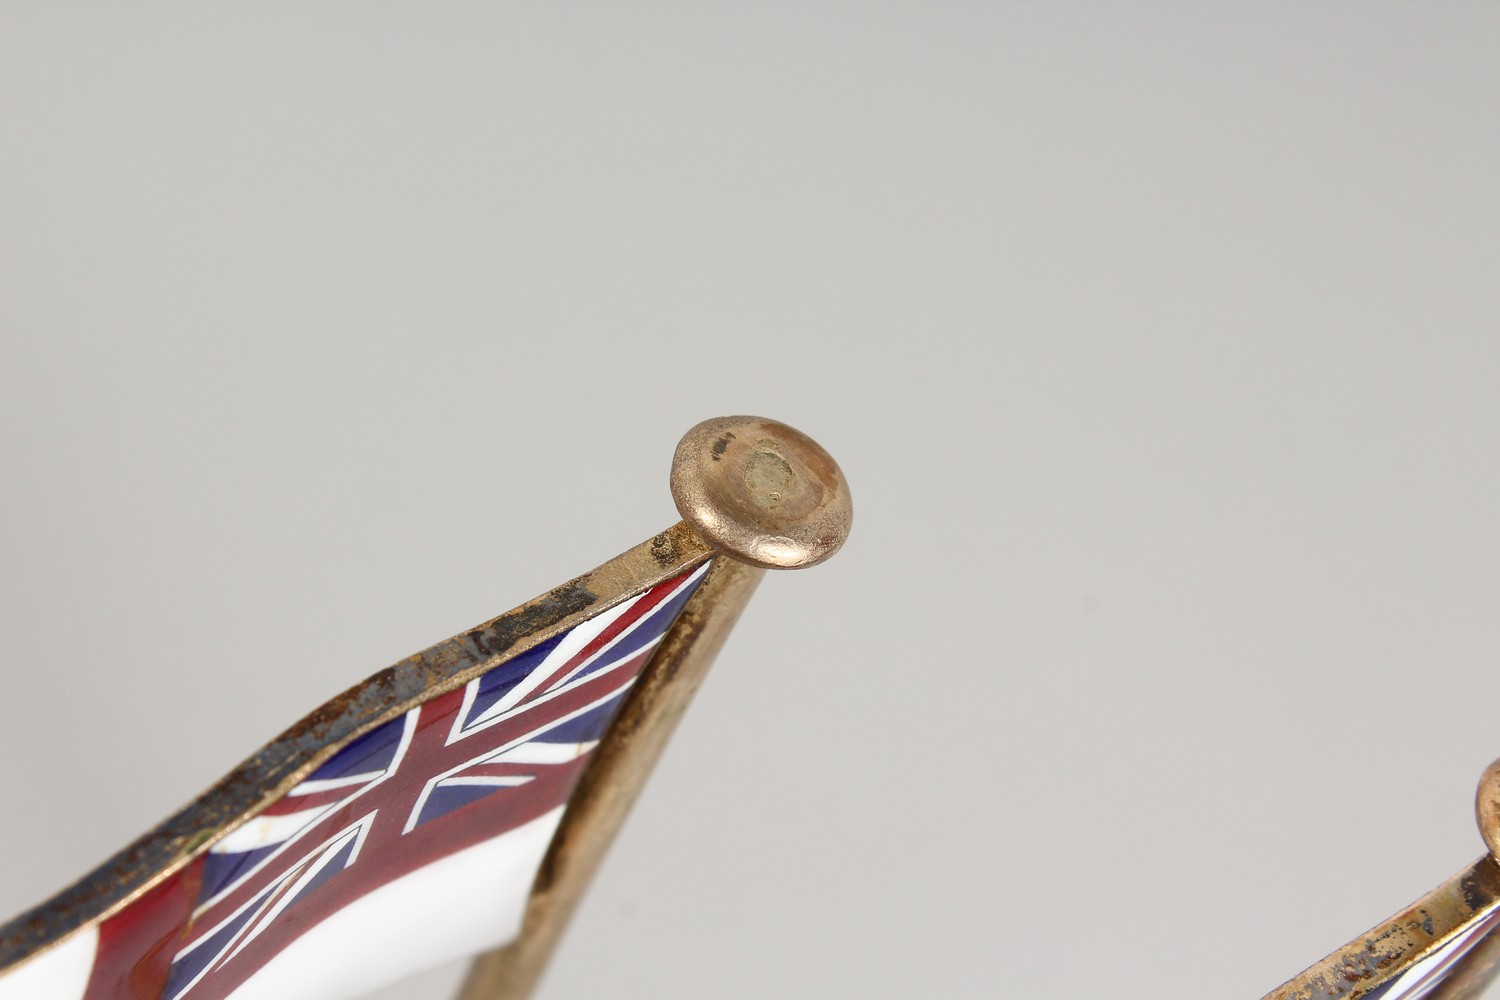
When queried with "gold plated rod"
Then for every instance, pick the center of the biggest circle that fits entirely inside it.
(612, 782)
(1479, 968)
(1395, 946)
(762, 495)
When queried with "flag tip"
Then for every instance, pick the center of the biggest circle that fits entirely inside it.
(761, 492)
(1487, 807)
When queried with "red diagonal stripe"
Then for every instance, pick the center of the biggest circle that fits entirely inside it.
(137, 945)
(429, 755)
(640, 609)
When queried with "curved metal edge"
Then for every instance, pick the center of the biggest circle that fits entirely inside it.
(762, 492)
(279, 765)
(1487, 808)
(614, 780)
(1393, 947)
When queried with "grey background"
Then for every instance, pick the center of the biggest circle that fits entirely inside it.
(1159, 344)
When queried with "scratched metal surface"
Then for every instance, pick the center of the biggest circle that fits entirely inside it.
(287, 759)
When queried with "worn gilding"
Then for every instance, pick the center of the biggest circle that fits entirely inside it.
(286, 760)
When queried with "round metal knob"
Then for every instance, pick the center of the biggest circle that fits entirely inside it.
(1487, 807)
(761, 492)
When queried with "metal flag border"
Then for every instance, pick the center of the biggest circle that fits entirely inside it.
(1445, 946)
(755, 494)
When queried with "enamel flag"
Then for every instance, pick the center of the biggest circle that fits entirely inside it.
(415, 843)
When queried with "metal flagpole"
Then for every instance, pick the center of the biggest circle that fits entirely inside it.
(1445, 946)
(764, 496)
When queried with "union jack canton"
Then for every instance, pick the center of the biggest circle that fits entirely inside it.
(414, 844)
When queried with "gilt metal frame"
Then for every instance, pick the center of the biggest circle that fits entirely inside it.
(1423, 930)
(754, 493)
(612, 782)
(266, 775)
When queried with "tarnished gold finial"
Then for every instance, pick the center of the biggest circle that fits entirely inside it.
(1487, 807)
(761, 492)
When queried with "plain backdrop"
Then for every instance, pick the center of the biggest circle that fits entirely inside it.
(1159, 343)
